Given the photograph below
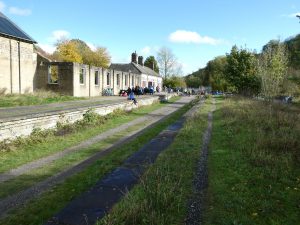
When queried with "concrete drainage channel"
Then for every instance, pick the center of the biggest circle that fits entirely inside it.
(96, 203)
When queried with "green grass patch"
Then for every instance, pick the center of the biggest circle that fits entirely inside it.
(39, 210)
(30, 178)
(163, 193)
(36, 98)
(254, 164)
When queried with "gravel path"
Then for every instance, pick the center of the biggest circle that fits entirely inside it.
(22, 197)
(33, 110)
(197, 202)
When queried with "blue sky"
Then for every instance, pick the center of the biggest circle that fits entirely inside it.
(195, 30)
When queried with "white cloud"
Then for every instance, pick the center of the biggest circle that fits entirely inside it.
(293, 15)
(146, 50)
(58, 35)
(19, 12)
(92, 46)
(49, 44)
(49, 48)
(2, 6)
(183, 36)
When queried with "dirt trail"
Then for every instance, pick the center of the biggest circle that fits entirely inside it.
(197, 202)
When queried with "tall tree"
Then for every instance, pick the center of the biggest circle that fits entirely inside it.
(215, 73)
(167, 62)
(241, 71)
(151, 63)
(67, 51)
(175, 82)
(100, 57)
(273, 66)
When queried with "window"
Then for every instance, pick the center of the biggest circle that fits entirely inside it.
(96, 77)
(132, 81)
(53, 74)
(108, 79)
(82, 76)
(118, 79)
(126, 80)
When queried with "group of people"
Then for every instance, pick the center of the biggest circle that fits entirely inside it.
(130, 92)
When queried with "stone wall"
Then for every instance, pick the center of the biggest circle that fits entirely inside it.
(17, 60)
(23, 126)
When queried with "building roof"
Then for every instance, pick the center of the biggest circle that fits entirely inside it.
(133, 68)
(129, 68)
(146, 70)
(11, 30)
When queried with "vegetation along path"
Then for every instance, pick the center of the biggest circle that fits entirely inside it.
(196, 205)
(25, 195)
(150, 118)
(96, 203)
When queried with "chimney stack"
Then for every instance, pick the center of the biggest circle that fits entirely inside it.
(134, 57)
(141, 60)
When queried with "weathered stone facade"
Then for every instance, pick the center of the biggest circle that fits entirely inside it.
(18, 63)
(73, 79)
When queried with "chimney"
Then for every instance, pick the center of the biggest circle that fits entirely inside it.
(141, 60)
(134, 57)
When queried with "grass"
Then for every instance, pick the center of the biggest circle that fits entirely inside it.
(36, 98)
(254, 164)
(30, 178)
(41, 144)
(163, 193)
(39, 210)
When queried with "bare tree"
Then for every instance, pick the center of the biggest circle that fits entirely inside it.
(167, 62)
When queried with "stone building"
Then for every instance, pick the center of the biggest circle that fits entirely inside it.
(133, 74)
(17, 58)
(69, 78)
(24, 69)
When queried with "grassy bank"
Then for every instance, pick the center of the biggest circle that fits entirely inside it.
(36, 98)
(39, 210)
(41, 144)
(44, 143)
(163, 193)
(254, 164)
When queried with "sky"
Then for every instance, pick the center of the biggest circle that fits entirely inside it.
(195, 30)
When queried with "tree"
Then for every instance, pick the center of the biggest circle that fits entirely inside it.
(67, 51)
(76, 50)
(241, 71)
(215, 73)
(273, 66)
(174, 82)
(167, 62)
(100, 57)
(151, 63)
